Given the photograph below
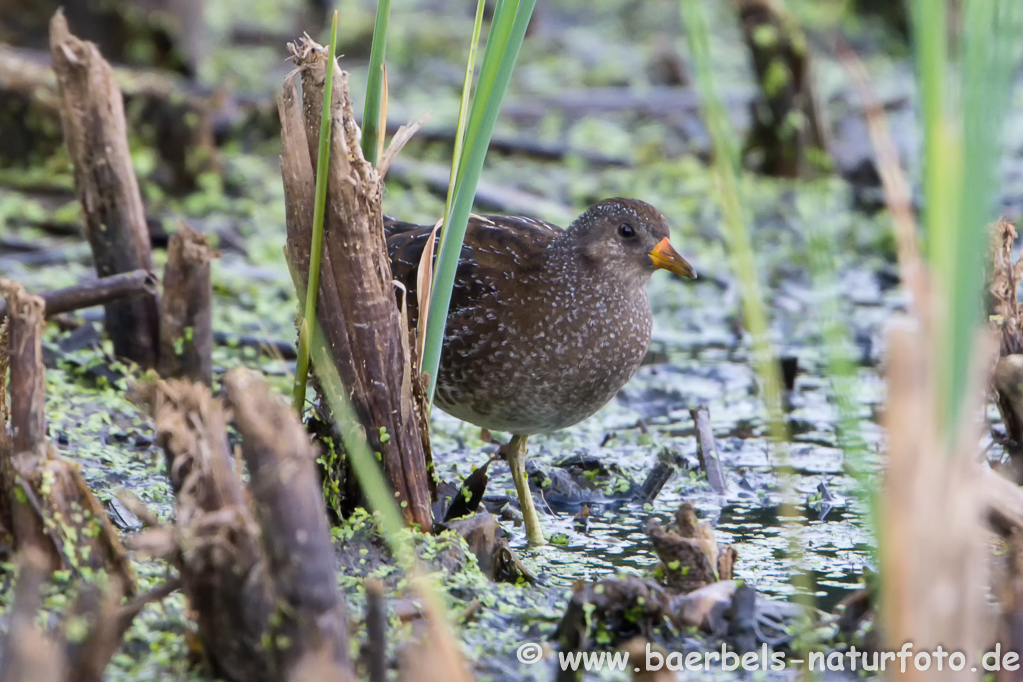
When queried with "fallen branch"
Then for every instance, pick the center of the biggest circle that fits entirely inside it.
(96, 292)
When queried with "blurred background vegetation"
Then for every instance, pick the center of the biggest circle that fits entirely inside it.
(799, 270)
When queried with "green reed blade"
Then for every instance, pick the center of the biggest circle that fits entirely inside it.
(319, 211)
(740, 247)
(463, 107)
(372, 126)
(507, 32)
(990, 58)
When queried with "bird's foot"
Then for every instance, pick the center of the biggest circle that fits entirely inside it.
(516, 454)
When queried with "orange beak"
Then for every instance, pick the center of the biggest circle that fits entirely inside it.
(665, 256)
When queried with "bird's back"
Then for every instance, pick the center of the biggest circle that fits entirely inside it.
(491, 244)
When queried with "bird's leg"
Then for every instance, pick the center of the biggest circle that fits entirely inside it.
(517, 464)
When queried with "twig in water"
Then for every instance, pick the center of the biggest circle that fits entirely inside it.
(707, 451)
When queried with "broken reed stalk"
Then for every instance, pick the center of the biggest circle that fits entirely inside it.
(931, 540)
(897, 192)
(218, 535)
(788, 125)
(92, 114)
(96, 292)
(288, 607)
(46, 503)
(26, 445)
(289, 505)
(356, 307)
(186, 319)
(25, 355)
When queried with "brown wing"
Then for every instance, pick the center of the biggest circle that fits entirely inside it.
(496, 249)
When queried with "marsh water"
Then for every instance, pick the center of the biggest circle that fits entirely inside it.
(824, 252)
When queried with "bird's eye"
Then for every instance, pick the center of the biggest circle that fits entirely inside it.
(626, 231)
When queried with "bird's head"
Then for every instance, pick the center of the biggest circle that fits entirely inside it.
(629, 237)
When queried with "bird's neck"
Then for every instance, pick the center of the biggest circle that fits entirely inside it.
(565, 261)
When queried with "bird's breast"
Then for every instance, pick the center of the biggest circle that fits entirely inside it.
(544, 359)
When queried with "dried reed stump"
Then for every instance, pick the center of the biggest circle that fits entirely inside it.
(186, 322)
(259, 576)
(92, 113)
(222, 571)
(296, 535)
(356, 303)
(788, 129)
(46, 503)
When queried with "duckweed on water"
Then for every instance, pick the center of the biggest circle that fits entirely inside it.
(700, 354)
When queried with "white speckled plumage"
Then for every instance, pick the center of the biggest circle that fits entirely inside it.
(546, 325)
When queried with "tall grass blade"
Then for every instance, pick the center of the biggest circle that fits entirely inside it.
(744, 269)
(319, 211)
(382, 119)
(463, 107)
(507, 31)
(372, 129)
(990, 58)
(740, 248)
(838, 348)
